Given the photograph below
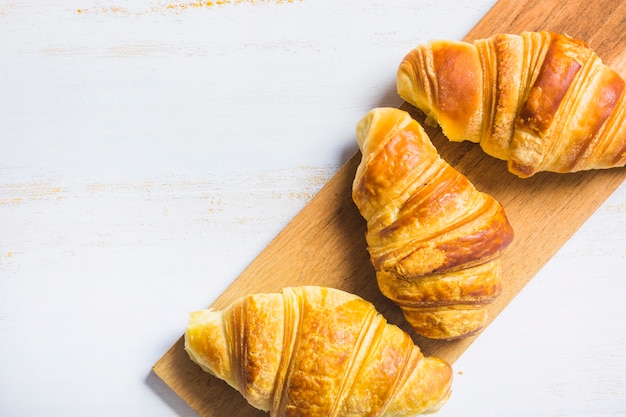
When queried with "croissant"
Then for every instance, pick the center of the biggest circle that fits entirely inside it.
(433, 239)
(539, 100)
(316, 351)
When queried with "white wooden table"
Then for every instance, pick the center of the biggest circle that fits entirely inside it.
(151, 149)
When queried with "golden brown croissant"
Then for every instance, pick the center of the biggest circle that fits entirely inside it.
(316, 351)
(433, 239)
(540, 100)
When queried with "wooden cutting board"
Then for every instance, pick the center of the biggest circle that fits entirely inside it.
(324, 244)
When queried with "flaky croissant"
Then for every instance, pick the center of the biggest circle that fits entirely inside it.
(316, 351)
(434, 240)
(541, 101)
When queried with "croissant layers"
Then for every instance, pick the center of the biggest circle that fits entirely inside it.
(539, 100)
(316, 351)
(433, 239)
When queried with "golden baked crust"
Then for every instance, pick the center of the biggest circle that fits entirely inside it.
(433, 239)
(315, 351)
(540, 100)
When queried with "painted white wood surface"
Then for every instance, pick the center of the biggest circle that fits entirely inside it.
(150, 150)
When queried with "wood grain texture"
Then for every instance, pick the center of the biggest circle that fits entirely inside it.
(324, 244)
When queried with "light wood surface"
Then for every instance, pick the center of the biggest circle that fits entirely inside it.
(324, 244)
